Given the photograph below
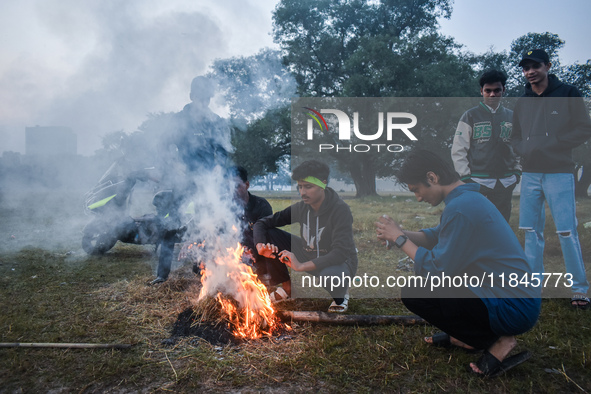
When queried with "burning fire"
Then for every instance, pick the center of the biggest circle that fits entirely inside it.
(253, 316)
(189, 251)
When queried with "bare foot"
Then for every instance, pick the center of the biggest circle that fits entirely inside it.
(457, 342)
(287, 287)
(500, 349)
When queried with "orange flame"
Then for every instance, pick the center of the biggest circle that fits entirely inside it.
(254, 317)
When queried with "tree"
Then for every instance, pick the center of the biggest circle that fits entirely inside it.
(265, 142)
(362, 48)
(491, 60)
(252, 85)
(549, 42)
(324, 42)
(579, 75)
(256, 90)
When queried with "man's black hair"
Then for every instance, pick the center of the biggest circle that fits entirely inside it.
(492, 76)
(313, 168)
(240, 172)
(419, 162)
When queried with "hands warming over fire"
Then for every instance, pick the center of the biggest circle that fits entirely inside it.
(267, 250)
(387, 229)
(289, 259)
(285, 256)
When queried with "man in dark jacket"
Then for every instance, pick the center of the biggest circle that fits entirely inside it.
(253, 208)
(481, 149)
(325, 248)
(549, 121)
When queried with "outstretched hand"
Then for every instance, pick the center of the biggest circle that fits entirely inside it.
(267, 250)
(289, 259)
(387, 229)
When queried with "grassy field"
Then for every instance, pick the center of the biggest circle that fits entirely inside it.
(51, 291)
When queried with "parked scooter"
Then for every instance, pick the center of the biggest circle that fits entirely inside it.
(109, 201)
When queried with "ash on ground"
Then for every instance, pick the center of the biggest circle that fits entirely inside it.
(216, 333)
(186, 326)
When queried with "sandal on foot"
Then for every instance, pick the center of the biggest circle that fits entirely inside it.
(279, 295)
(580, 301)
(439, 339)
(491, 367)
(340, 308)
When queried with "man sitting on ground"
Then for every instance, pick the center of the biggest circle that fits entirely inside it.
(472, 240)
(326, 247)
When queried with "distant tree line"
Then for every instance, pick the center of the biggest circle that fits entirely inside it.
(351, 48)
(361, 48)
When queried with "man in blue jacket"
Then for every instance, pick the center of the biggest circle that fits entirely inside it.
(549, 121)
(472, 243)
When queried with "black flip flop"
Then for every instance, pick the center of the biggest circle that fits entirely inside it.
(491, 367)
(442, 339)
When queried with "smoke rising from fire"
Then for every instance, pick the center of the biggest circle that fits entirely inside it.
(101, 66)
(128, 67)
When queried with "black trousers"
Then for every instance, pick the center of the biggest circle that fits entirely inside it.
(169, 238)
(279, 272)
(463, 318)
(500, 196)
(261, 263)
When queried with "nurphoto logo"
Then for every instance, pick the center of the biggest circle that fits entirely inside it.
(390, 123)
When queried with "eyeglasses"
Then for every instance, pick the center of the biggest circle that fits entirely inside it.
(533, 66)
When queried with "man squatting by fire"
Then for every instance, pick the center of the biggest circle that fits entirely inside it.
(472, 238)
(253, 208)
(325, 247)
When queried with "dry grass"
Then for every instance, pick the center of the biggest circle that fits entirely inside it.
(152, 309)
(61, 295)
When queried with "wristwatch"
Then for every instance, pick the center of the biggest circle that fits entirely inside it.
(401, 240)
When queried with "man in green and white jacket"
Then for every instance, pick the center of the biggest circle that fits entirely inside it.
(481, 149)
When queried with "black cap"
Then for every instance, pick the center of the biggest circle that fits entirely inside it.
(537, 55)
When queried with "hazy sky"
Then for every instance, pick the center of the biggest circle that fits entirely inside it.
(102, 65)
(479, 24)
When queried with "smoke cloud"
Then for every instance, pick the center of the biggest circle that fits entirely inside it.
(102, 66)
(111, 66)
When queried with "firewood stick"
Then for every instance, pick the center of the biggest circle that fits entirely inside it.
(324, 317)
(68, 345)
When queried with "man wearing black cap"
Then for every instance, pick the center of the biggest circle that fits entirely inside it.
(549, 121)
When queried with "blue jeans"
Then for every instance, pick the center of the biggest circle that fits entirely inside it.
(559, 191)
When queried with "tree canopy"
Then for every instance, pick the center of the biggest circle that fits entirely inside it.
(357, 48)
(363, 48)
